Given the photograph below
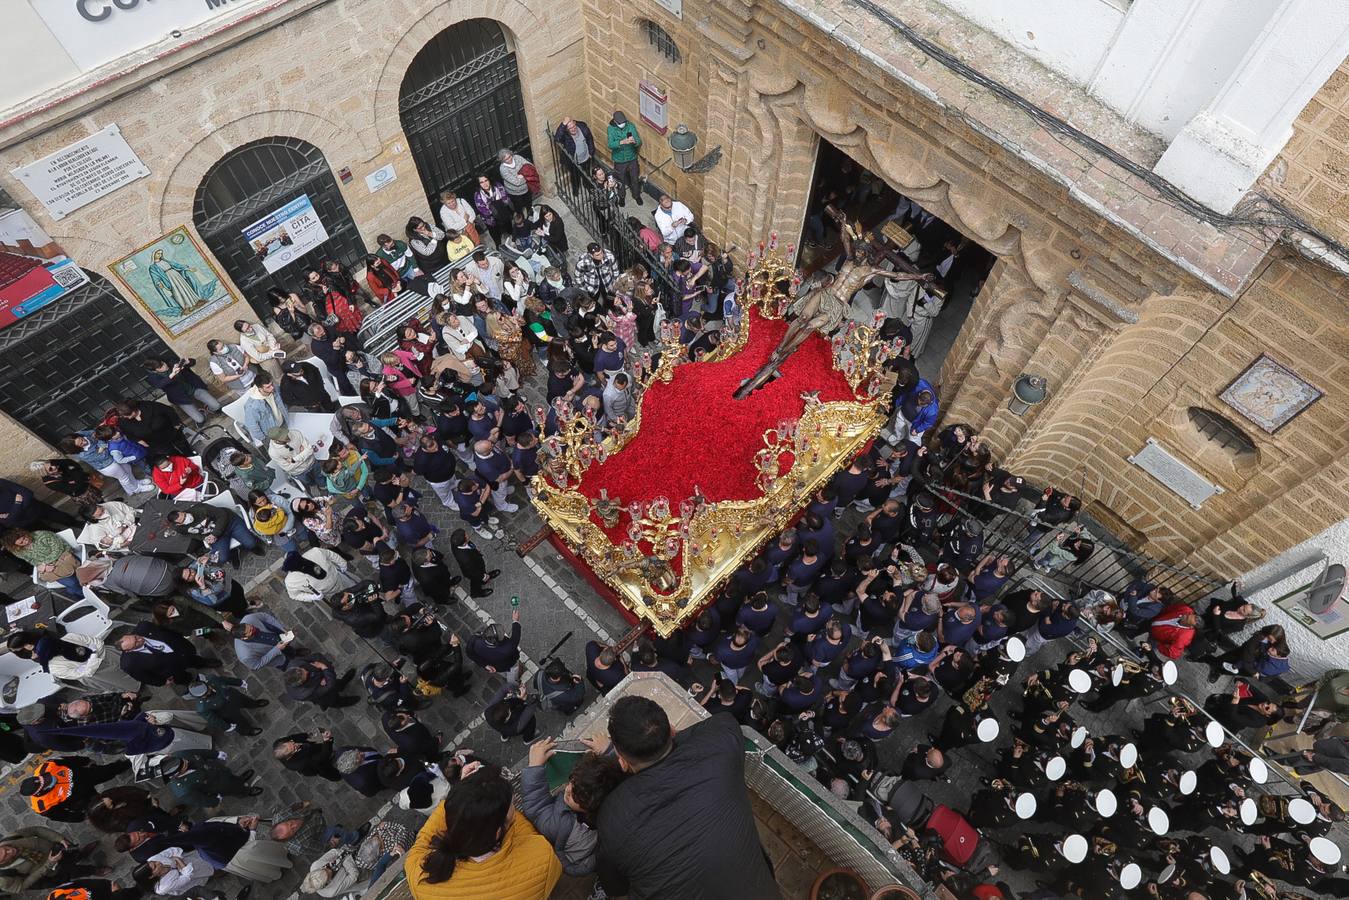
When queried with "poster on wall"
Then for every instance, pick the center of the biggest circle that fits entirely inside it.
(172, 278)
(34, 270)
(286, 235)
(82, 172)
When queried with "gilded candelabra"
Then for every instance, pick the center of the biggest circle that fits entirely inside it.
(864, 354)
(573, 448)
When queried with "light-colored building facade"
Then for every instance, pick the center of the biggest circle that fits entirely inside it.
(1128, 274)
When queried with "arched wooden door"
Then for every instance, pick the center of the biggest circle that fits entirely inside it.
(256, 180)
(460, 103)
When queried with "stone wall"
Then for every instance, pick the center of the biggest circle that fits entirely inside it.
(329, 75)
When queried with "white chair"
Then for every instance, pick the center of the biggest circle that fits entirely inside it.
(208, 487)
(225, 500)
(88, 617)
(285, 487)
(34, 684)
(235, 410)
(329, 381)
(67, 535)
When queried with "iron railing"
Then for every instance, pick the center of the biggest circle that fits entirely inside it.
(1110, 567)
(577, 189)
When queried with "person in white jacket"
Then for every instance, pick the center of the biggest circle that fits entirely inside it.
(260, 347)
(76, 658)
(174, 872)
(332, 874)
(113, 526)
(315, 575)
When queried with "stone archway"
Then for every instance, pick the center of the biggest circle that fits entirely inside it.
(1020, 300)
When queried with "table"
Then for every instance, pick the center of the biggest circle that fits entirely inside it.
(150, 537)
(47, 608)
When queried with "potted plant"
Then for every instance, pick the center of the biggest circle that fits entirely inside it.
(838, 884)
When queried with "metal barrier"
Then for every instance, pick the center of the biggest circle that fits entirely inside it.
(577, 189)
(1021, 536)
(379, 331)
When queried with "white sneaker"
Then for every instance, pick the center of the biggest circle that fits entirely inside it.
(144, 487)
(508, 507)
(484, 534)
(493, 520)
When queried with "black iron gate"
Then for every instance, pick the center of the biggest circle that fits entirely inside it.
(63, 366)
(460, 103)
(577, 189)
(259, 178)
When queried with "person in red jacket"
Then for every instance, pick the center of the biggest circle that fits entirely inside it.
(383, 280)
(1173, 630)
(175, 474)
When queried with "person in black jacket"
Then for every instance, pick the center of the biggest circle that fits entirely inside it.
(434, 577)
(414, 741)
(361, 611)
(303, 388)
(509, 712)
(695, 776)
(314, 678)
(309, 755)
(157, 656)
(387, 688)
(472, 564)
(494, 652)
(154, 425)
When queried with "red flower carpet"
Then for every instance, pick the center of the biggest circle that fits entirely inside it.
(694, 433)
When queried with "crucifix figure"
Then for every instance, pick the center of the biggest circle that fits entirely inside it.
(823, 307)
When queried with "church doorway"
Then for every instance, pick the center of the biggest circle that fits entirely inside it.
(912, 237)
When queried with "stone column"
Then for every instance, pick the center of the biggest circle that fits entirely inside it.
(1009, 321)
(1221, 151)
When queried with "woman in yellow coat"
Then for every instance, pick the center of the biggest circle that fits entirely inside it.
(475, 846)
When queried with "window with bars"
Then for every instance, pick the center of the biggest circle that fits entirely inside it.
(1220, 432)
(661, 41)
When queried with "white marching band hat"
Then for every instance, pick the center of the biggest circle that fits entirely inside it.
(1130, 876)
(1213, 733)
(1025, 806)
(987, 729)
(1106, 804)
(1074, 848)
(1301, 811)
(1117, 674)
(1169, 672)
(1079, 681)
(1055, 768)
(1079, 737)
(1158, 820)
(1016, 649)
(1326, 851)
(1248, 812)
(1188, 782)
(1128, 755)
(1259, 771)
(1219, 860)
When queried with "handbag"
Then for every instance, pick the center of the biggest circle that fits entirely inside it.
(531, 177)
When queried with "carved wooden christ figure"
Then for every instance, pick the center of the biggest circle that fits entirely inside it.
(822, 308)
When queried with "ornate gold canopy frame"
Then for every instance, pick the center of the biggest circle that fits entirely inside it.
(709, 541)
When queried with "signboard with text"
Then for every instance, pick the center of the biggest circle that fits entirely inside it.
(94, 32)
(287, 234)
(79, 174)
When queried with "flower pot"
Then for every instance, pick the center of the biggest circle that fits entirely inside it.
(896, 892)
(838, 884)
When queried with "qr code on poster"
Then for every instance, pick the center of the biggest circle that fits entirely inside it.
(68, 276)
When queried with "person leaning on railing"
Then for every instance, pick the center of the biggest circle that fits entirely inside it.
(476, 846)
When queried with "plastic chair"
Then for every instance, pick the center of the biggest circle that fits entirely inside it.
(329, 382)
(207, 490)
(225, 500)
(235, 410)
(34, 684)
(88, 617)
